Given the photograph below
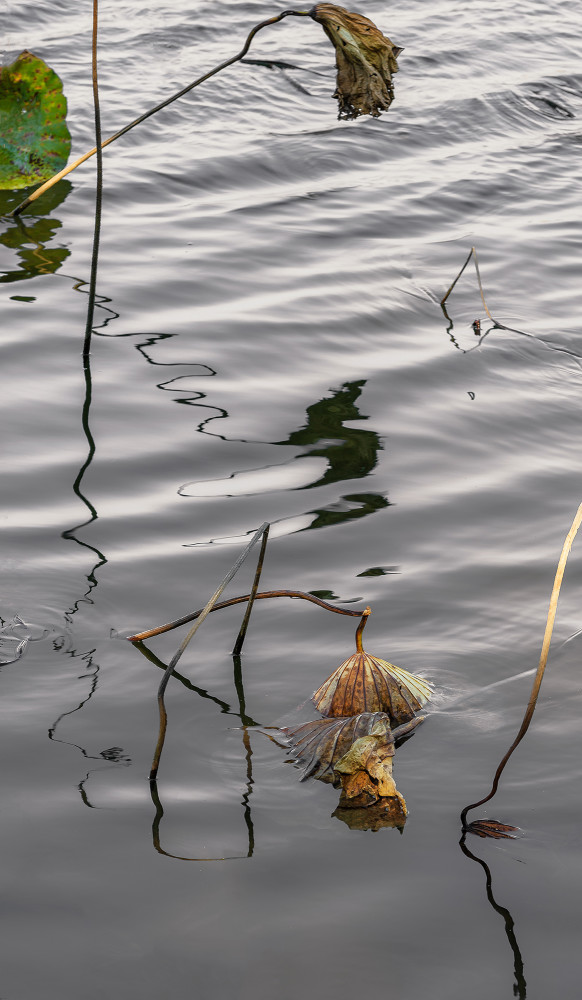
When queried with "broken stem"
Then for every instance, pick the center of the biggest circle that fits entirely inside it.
(266, 594)
(541, 667)
(245, 622)
(363, 622)
(473, 254)
(217, 69)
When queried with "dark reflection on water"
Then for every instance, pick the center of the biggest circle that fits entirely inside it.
(246, 722)
(115, 755)
(93, 676)
(71, 533)
(352, 452)
(349, 508)
(519, 987)
(35, 259)
(225, 708)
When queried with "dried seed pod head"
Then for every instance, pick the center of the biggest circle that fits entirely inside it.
(365, 61)
(365, 683)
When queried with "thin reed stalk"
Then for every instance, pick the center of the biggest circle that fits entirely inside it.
(541, 667)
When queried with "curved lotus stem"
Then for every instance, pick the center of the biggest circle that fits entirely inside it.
(539, 673)
(365, 615)
(140, 636)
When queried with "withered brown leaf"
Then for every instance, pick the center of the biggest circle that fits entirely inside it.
(355, 754)
(365, 683)
(492, 828)
(365, 61)
(318, 746)
(366, 770)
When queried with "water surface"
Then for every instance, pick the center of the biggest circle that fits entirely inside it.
(269, 345)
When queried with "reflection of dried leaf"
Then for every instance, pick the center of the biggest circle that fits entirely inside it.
(365, 61)
(491, 828)
(383, 813)
(318, 746)
(365, 683)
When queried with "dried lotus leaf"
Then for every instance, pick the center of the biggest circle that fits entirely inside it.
(365, 683)
(491, 828)
(366, 769)
(318, 746)
(365, 61)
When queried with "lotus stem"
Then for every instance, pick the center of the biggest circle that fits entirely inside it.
(217, 69)
(363, 622)
(99, 188)
(541, 667)
(264, 595)
(243, 629)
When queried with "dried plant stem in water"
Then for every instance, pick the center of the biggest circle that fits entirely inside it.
(265, 595)
(202, 615)
(473, 254)
(217, 69)
(99, 188)
(541, 667)
(365, 615)
(252, 596)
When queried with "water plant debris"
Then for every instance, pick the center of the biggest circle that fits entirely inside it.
(365, 60)
(353, 752)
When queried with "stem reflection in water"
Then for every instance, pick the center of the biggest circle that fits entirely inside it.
(225, 708)
(71, 533)
(519, 987)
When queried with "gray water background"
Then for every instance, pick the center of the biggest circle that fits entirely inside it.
(269, 345)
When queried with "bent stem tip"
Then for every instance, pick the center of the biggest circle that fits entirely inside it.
(363, 621)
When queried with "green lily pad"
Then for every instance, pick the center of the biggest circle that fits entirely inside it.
(34, 138)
